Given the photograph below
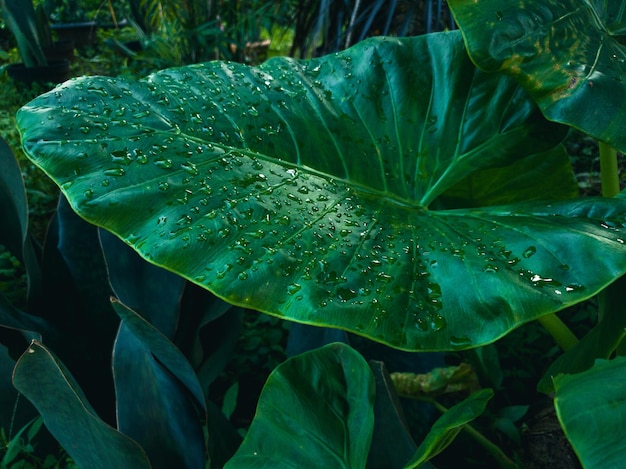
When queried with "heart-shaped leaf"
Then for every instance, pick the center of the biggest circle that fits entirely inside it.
(567, 53)
(306, 189)
(316, 410)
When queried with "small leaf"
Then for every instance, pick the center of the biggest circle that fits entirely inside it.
(315, 411)
(17, 444)
(230, 400)
(591, 407)
(448, 426)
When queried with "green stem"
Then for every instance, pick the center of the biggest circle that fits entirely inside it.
(608, 170)
(610, 188)
(562, 334)
(503, 460)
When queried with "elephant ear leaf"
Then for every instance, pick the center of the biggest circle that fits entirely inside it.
(50, 387)
(291, 428)
(338, 191)
(567, 53)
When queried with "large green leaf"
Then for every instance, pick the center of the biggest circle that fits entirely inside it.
(302, 189)
(591, 407)
(567, 53)
(45, 381)
(315, 411)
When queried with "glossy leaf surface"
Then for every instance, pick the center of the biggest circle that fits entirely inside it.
(567, 53)
(316, 190)
(45, 381)
(315, 411)
(592, 410)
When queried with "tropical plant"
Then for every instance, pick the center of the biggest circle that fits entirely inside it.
(196, 31)
(72, 11)
(326, 26)
(30, 28)
(393, 190)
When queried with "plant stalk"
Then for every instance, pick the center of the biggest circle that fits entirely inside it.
(562, 334)
(608, 170)
(609, 177)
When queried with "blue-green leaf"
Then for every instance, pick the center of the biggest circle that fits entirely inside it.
(45, 381)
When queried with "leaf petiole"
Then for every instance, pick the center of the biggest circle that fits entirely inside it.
(609, 174)
(562, 334)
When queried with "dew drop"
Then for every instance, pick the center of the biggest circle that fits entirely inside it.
(383, 277)
(114, 172)
(539, 281)
(141, 114)
(529, 252)
(346, 294)
(220, 274)
(460, 342)
(490, 268)
(574, 287)
(294, 288)
(438, 322)
(164, 164)
(190, 168)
